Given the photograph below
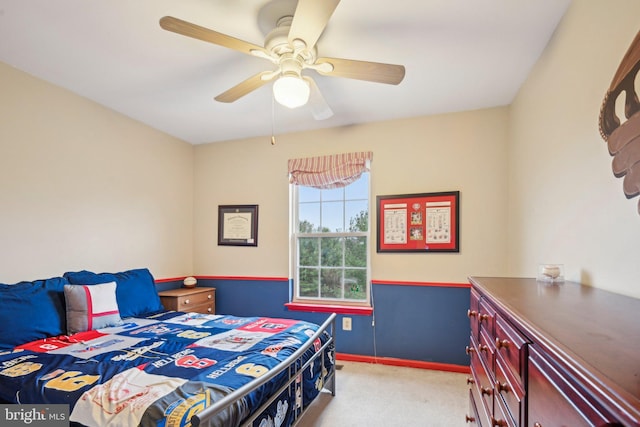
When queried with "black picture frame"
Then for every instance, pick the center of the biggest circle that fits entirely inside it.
(423, 222)
(238, 225)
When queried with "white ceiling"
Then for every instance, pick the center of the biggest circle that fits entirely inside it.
(459, 55)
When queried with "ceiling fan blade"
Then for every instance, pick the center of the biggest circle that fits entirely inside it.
(310, 19)
(319, 107)
(243, 88)
(188, 29)
(361, 70)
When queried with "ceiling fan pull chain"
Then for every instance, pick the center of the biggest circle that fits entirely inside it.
(273, 113)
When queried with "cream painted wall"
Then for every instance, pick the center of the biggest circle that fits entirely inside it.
(463, 151)
(83, 187)
(565, 205)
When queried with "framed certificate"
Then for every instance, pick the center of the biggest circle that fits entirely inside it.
(426, 222)
(238, 225)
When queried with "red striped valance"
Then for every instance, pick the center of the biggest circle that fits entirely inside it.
(333, 171)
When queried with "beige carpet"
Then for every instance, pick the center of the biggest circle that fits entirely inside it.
(374, 395)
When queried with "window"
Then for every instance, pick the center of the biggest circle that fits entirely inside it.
(330, 243)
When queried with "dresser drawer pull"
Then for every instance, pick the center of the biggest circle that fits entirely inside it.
(469, 350)
(498, 423)
(486, 390)
(470, 380)
(468, 419)
(209, 309)
(484, 348)
(186, 301)
(502, 343)
(536, 424)
(471, 313)
(209, 296)
(502, 387)
(483, 317)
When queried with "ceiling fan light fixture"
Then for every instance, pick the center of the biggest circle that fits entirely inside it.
(291, 91)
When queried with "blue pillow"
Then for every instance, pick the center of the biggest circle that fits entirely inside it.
(32, 311)
(136, 291)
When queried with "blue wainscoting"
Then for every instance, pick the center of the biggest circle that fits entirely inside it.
(414, 322)
(422, 322)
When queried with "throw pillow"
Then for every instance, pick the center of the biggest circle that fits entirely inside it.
(136, 292)
(91, 307)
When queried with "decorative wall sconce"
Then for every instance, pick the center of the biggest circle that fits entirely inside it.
(623, 137)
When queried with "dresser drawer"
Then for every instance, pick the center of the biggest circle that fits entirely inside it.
(486, 352)
(481, 393)
(473, 417)
(482, 388)
(486, 317)
(511, 345)
(472, 313)
(501, 416)
(553, 399)
(197, 300)
(508, 389)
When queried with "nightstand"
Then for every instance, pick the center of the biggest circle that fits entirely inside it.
(195, 300)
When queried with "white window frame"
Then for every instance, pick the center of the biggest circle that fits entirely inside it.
(293, 252)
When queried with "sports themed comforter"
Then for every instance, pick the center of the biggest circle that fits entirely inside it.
(163, 369)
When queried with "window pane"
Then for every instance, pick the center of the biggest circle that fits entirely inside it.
(357, 213)
(308, 278)
(308, 251)
(331, 248)
(358, 189)
(308, 217)
(332, 194)
(355, 254)
(308, 194)
(333, 217)
(331, 283)
(355, 284)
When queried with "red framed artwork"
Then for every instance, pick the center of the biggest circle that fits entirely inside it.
(426, 222)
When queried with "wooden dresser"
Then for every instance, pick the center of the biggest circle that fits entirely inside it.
(545, 355)
(195, 300)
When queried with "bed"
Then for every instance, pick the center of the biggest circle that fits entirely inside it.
(110, 351)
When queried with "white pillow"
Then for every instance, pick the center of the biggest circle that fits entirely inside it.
(91, 307)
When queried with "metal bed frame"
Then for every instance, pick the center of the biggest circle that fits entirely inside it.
(294, 365)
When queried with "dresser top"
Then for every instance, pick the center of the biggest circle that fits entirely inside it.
(596, 330)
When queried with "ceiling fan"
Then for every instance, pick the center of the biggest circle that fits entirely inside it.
(294, 29)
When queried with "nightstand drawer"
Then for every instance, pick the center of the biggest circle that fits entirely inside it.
(188, 301)
(206, 308)
(198, 300)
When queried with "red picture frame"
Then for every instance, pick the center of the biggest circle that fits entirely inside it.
(425, 222)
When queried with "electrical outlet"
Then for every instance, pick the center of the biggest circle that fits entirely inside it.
(346, 323)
